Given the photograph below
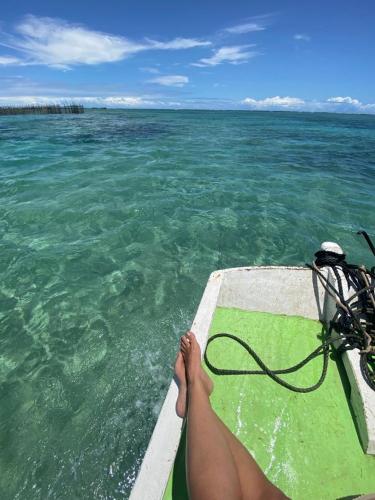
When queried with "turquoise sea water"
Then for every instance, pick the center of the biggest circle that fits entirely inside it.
(110, 224)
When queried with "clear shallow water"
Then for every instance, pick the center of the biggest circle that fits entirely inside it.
(110, 223)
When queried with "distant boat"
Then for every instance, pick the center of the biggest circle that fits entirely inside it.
(314, 445)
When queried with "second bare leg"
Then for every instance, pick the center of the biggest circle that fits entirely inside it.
(211, 470)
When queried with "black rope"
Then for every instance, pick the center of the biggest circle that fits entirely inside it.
(346, 323)
(273, 374)
(327, 258)
(368, 239)
(323, 349)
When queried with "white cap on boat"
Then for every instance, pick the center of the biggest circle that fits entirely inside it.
(330, 246)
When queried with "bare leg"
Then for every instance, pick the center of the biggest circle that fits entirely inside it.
(180, 377)
(254, 483)
(211, 445)
(211, 470)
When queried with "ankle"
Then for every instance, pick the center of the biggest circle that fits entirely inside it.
(195, 383)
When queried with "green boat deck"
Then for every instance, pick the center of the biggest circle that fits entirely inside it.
(307, 444)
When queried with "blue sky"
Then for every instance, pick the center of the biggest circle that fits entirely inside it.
(291, 55)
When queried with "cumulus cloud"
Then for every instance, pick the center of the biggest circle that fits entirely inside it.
(56, 43)
(274, 102)
(121, 101)
(303, 37)
(240, 29)
(344, 100)
(350, 104)
(333, 104)
(171, 80)
(233, 55)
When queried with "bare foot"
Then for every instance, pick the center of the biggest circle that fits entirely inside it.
(191, 352)
(180, 377)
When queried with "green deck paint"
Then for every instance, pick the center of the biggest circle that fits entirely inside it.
(307, 444)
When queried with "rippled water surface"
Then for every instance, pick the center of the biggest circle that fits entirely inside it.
(110, 223)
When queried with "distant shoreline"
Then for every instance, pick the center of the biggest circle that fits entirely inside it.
(79, 109)
(232, 110)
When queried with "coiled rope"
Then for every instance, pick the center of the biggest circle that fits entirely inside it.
(354, 322)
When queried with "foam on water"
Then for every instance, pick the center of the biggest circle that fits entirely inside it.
(110, 223)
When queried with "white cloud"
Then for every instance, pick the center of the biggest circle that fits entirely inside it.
(350, 104)
(274, 102)
(233, 55)
(171, 80)
(344, 100)
(56, 43)
(123, 101)
(331, 105)
(177, 44)
(8, 60)
(150, 69)
(240, 29)
(303, 37)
